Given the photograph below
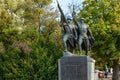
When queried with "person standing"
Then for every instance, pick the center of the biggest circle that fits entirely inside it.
(85, 37)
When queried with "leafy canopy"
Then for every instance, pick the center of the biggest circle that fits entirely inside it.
(104, 19)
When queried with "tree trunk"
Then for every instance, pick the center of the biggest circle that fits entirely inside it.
(115, 70)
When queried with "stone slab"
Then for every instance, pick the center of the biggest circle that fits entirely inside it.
(76, 68)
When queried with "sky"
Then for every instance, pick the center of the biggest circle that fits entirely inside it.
(65, 3)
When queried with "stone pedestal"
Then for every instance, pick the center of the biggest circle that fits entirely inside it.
(76, 68)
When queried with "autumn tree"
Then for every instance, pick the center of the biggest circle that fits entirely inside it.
(104, 19)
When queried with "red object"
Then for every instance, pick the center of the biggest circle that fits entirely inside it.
(101, 74)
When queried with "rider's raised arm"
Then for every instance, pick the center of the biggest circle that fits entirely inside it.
(75, 21)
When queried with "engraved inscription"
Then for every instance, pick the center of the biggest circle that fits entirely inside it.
(75, 70)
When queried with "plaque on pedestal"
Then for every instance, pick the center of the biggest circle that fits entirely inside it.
(76, 68)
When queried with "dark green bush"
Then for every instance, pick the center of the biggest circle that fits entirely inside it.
(40, 64)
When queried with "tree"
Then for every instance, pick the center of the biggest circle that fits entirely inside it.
(104, 19)
(27, 54)
(19, 15)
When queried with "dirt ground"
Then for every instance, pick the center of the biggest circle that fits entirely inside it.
(106, 79)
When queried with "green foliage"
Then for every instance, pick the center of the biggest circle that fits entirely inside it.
(24, 53)
(38, 64)
(103, 17)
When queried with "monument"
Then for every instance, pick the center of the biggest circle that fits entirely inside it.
(76, 68)
(71, 67)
